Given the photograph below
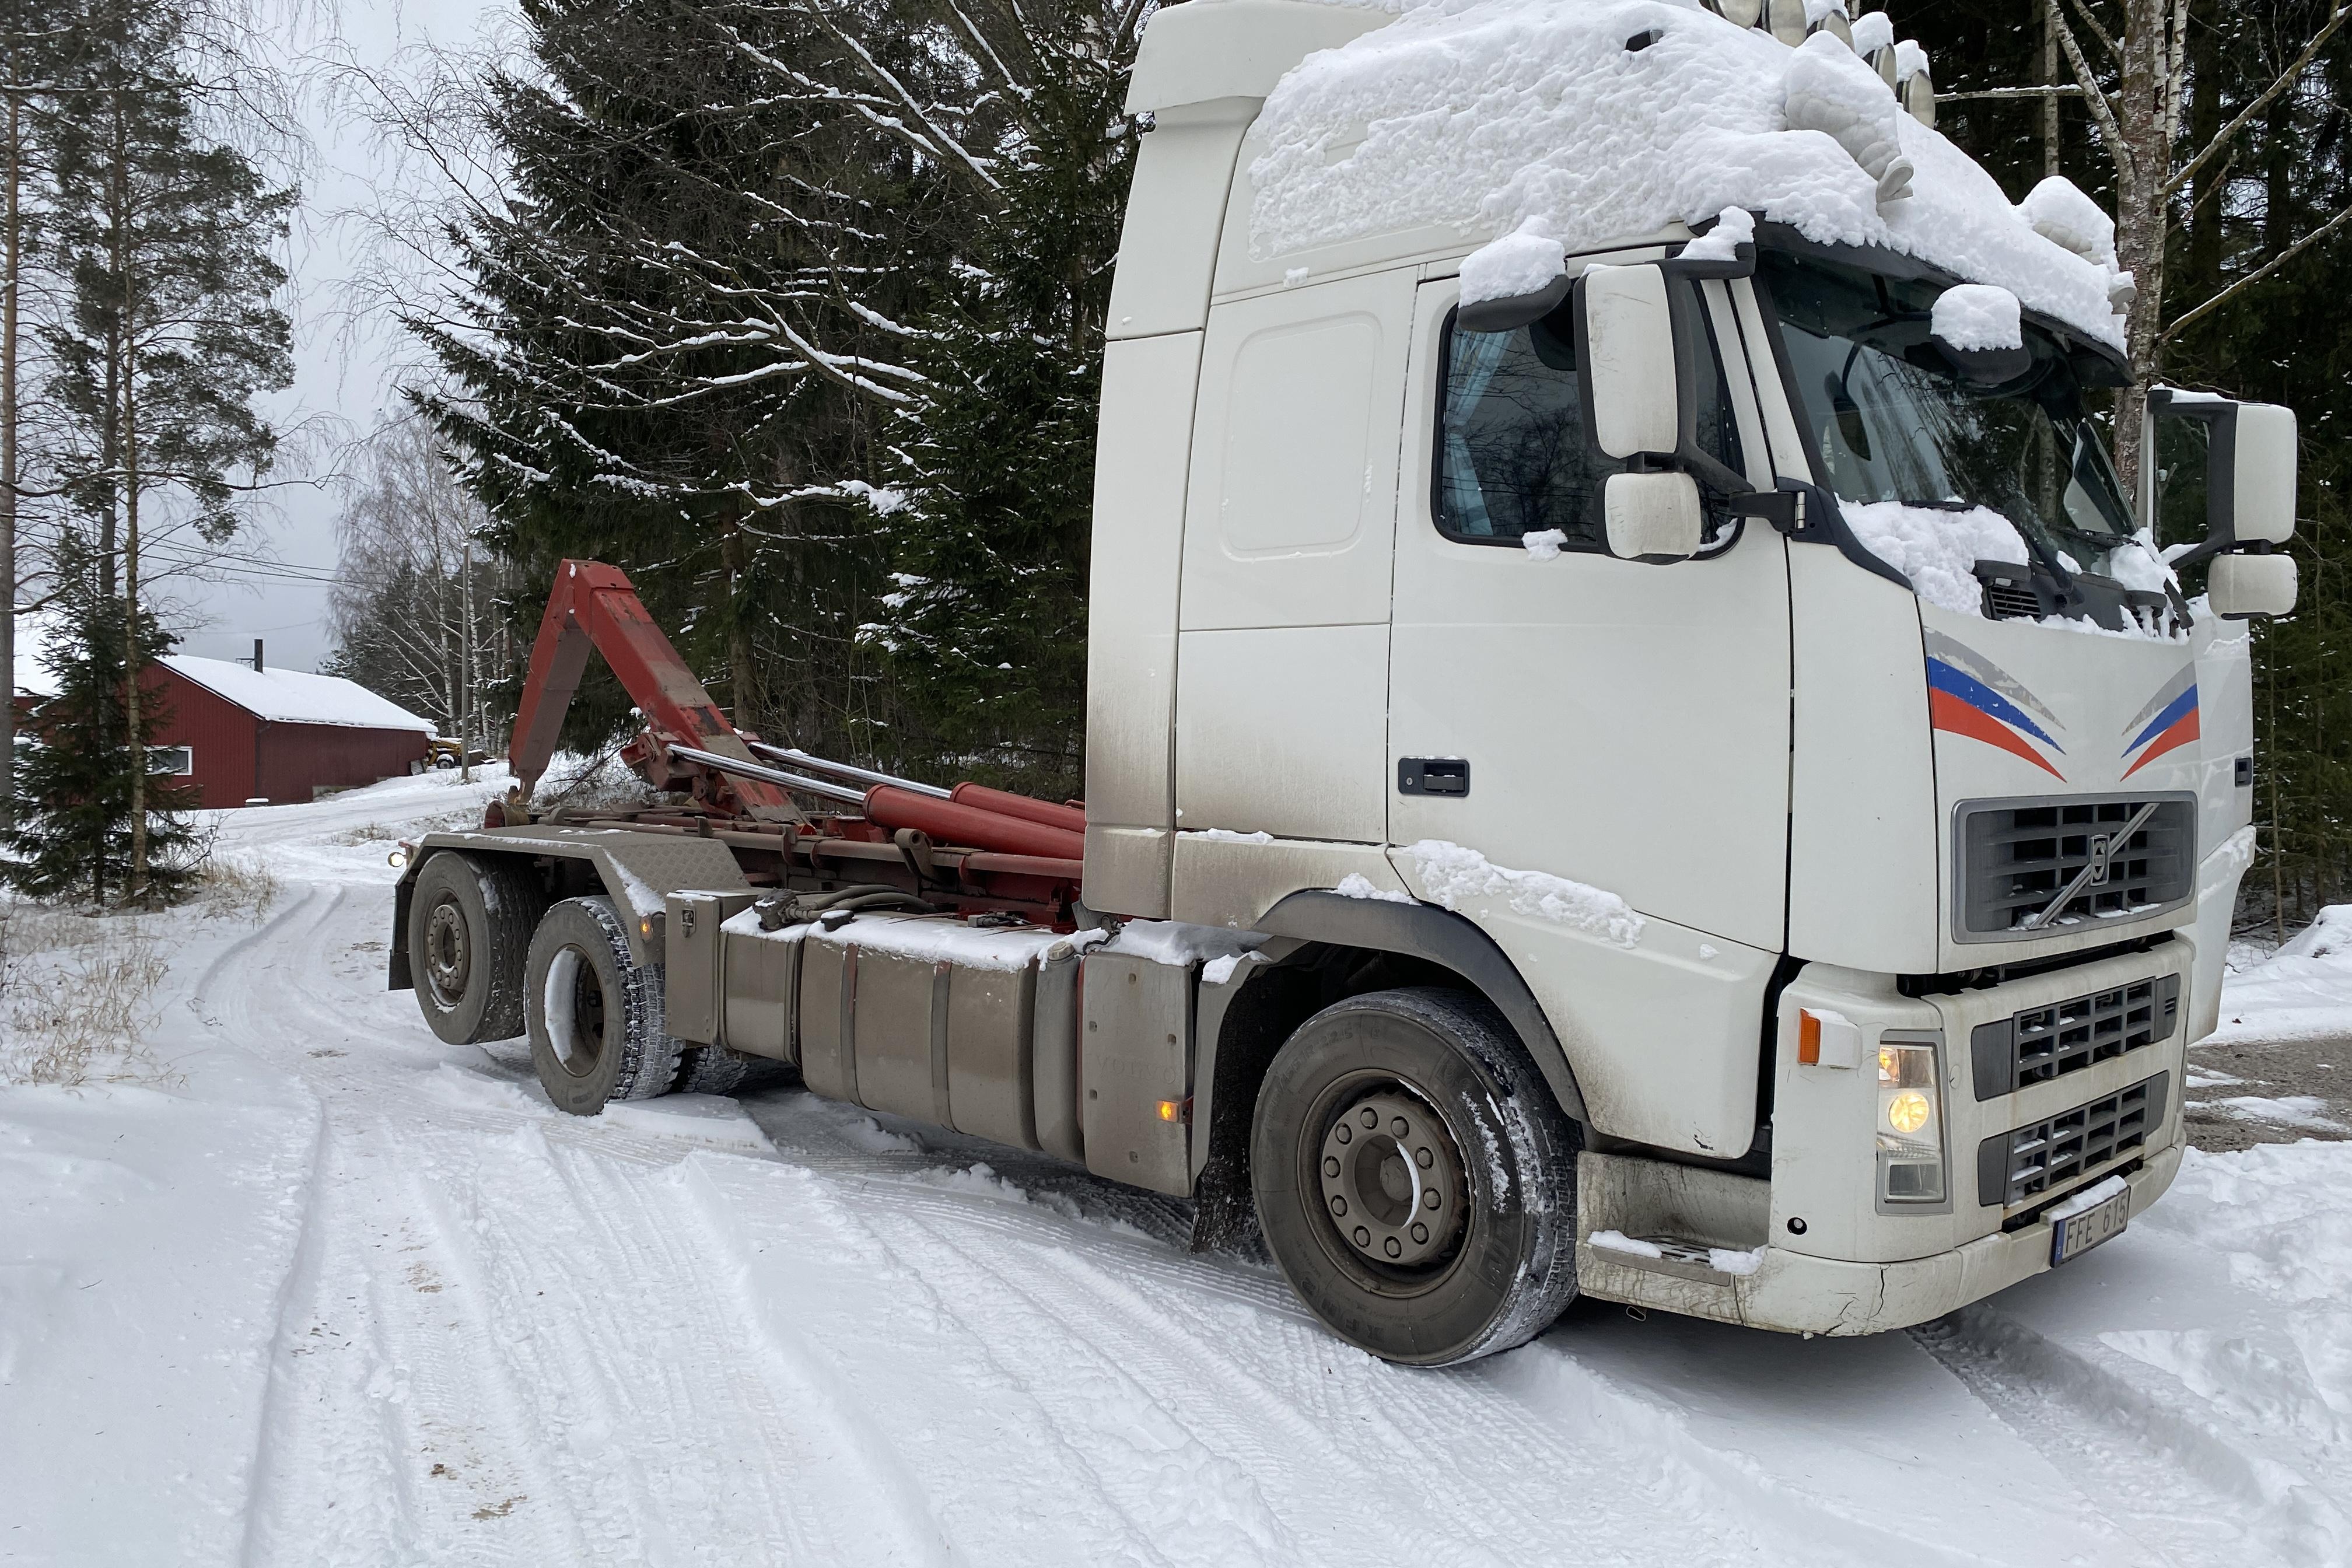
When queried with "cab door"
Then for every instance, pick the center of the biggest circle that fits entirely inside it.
(1558, 710)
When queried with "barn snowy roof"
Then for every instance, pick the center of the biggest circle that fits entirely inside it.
(291, 696)
(1586, 122)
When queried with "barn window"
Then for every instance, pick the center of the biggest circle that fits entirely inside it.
(177, 761)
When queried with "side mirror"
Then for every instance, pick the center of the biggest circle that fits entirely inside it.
(2240, 587)
(1626, 344)
(1656, 517)
(2261, 488)
(2242, 455)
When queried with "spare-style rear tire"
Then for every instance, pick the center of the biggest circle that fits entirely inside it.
(595, 1016)
(469, 927)
(1414, 1178)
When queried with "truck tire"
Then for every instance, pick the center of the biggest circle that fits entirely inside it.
(1414, 1179)
(469, 924)
(595, 1017)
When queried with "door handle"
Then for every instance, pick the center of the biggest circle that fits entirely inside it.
(1433, 775)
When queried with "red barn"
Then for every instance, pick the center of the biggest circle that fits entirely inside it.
(278, 735)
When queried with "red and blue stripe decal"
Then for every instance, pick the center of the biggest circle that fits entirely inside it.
(1968, 695)
(2168, 722)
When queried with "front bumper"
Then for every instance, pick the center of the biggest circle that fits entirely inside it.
(1794, 1293)
(1815, 1248)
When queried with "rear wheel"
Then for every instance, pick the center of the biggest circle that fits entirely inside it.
(469, 927)
(594, 1015)
(1414, 1178)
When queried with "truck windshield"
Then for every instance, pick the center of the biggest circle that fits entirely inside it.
(1896, 422)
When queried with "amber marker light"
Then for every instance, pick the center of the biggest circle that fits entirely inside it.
(1175, 1110)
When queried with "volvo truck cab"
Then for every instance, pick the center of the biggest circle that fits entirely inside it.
(1663, 764)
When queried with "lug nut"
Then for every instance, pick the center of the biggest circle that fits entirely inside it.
(1400, 1127)
(1330, 1164)
(1423, 1158)
(1429, 1199)
(1391, 1248)
(1339, 1205)
(1371, 1118)
(1342, 1132)
(1420, 1231)
(1364, 1236)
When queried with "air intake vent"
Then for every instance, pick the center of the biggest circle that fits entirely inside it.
(2040, 867)
(2042, 1043)
(2010, 593)
(2015, 1167)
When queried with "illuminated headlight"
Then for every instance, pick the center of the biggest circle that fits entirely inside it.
(1910, 1123)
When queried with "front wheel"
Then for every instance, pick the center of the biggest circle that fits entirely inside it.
(597, 1033)
(1414, 1178)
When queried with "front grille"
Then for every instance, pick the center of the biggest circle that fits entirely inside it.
(2016, 858)
(2012, 1167)
(2042, 1043)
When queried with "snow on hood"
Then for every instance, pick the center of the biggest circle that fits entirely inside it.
(1532, 117)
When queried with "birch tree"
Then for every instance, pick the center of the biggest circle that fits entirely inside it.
(2131, 61)
(416, 608)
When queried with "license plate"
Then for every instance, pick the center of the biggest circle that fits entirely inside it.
(2077, 1234)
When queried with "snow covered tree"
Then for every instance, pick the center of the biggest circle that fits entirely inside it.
(712, 282)
(986, 629)
(167, 236)
(93, 821)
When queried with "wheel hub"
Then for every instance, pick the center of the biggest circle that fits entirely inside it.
(575, 1020)
(448, 952)
(1393, 1179)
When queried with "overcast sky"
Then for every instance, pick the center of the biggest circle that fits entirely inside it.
(344, 369)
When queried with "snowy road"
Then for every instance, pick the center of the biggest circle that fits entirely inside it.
(349, 1296)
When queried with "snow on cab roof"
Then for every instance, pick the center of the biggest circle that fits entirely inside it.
(293, 696)
(1535, 118)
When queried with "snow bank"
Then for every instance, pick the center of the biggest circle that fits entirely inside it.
(1452, 876)
(1527, 118)
(1937, 550)
(2302, 991)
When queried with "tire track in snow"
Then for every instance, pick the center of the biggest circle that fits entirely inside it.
(685, 1458)
(1008, 1479)
(2165, 1477)
(1030, 1382)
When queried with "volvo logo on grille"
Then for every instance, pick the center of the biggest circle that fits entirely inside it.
(2101, 848)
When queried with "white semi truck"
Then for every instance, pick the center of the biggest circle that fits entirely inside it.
(1665, 768)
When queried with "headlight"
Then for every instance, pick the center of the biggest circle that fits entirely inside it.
(1910, 1123)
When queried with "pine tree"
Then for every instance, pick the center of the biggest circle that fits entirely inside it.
(80, 829)
(173, 333)
(986, 633)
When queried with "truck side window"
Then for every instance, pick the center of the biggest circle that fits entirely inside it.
(1511, 457)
